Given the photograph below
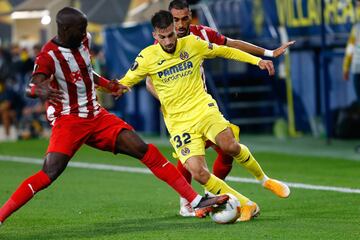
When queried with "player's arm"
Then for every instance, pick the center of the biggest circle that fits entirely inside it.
(349, 53)
(256, 50)
(40, 82)
(219, 39)
(150, 87)
(40, 87)
(136, 73)
(109, 86)
(210, 50)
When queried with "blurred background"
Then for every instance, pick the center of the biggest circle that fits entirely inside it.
(307, 97)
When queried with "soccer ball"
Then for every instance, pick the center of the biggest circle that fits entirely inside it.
(227, 213)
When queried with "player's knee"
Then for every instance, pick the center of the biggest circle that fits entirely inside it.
(55, 164)
(142, 148)
(53, 174)
(232, 148)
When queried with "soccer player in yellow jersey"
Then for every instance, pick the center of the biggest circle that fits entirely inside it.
(222, 166)
(191, 114)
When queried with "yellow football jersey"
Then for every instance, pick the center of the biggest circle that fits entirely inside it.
(177, 77)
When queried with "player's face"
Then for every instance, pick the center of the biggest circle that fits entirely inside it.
(76, 33)
(182, 20)
(166, 37)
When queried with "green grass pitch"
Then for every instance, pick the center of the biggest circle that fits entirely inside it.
(103, 204)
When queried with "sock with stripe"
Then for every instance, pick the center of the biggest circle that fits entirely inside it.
(223, 164)
(24, 193)
(166, 171)
(246, 159)
(218, 186)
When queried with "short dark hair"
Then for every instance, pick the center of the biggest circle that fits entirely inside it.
(162, 19)
(178, 4)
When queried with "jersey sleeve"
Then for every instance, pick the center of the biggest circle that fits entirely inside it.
(211, 50)
(44, 64)
(137, 72)
(214, 36)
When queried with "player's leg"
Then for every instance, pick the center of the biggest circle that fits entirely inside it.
(68, 134)
(185, 207)
(129, 143)
(222, 164)
(54, 165)
(221, 168)
(227, 142)
(113, 134)
(187, 175)
(197, 166)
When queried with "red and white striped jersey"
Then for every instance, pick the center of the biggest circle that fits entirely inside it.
(73, 75)
(208, 34)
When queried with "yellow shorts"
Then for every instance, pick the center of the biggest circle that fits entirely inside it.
(191, 142)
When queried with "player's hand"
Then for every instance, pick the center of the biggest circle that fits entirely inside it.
(118, 89)
(282, 49)
(267, 65)
(346, 75)
(45, 92)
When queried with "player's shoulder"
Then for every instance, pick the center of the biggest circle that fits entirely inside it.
(47, 48)
(189, 38)
(196, 29)
(149, 51)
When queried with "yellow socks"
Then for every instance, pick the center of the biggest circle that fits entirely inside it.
(246, 159)
(217, 186)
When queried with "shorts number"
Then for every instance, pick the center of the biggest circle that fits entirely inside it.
(186, 138)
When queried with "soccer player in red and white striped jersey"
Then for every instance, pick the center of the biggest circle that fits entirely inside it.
(63, 76)
(223, 164)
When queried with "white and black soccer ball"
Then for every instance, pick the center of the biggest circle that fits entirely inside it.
(227, 213)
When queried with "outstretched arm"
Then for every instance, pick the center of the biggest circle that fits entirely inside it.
(256, 50)
(110, 86)
(212, 50)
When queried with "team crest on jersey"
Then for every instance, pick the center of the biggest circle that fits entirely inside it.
(134, 66)
(76, 76)
(184, 55)
(185, 151)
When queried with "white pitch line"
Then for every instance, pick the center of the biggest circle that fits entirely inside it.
(96, 166)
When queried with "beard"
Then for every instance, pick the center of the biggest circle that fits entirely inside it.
(182, 32)
(170, 48)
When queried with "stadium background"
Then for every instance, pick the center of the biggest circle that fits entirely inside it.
(294, 121)
(306, 96)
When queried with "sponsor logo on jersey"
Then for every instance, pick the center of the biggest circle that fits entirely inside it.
(175, 72)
